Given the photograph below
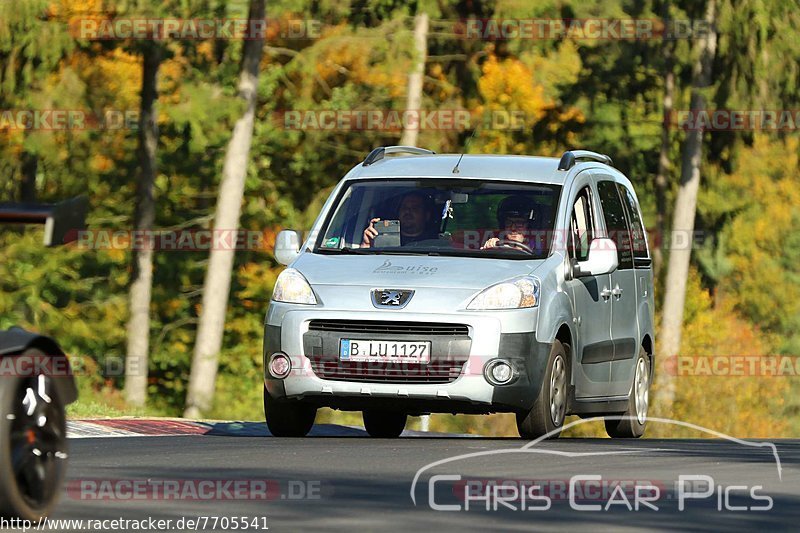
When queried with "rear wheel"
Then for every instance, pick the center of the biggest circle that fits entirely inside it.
(384, 424)
(33, 444)
(634, 420)
(550, 408)
(288, 418)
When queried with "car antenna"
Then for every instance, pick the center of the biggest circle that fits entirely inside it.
(466, 146)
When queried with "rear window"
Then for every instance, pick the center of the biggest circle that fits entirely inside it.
(637, 228)
(617, 227)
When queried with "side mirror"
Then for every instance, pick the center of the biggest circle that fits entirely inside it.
(287, 246)
(62, 221)
(602, 259)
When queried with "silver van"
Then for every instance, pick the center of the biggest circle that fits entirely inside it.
(465, 284)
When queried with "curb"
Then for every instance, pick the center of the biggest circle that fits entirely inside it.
(172, 427)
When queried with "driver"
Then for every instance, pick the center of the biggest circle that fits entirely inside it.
(515, 216)
(416, 215)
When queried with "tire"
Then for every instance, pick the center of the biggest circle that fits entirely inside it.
(288, 418)
(384, 424)
(550, 408)
(633, 425)
(33, 444)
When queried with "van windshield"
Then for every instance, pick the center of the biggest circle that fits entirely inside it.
(442, 217)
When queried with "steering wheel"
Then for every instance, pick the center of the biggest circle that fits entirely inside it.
(508, 243)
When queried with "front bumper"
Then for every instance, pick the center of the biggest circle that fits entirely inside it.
(488, 338)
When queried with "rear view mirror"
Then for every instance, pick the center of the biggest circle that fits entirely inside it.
(602, 259)
(459, 197)
(287, 246)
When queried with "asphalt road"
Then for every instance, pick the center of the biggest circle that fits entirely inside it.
(354, 483)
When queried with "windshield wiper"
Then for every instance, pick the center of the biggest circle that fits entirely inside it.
(377, 251)
(493, 254)
(489, 253)
(345, 250)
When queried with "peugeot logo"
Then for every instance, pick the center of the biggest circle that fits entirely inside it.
(391, 298)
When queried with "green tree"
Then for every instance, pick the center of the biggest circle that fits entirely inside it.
(31, 47)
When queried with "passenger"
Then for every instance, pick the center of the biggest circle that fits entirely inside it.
(417, 220)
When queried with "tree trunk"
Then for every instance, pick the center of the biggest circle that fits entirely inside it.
(30, 167)
(664, 165)
(414, 98)
(229, 202)
(685, 206)
(144, 218)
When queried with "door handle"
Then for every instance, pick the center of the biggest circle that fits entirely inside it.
(606, 293)
(616, 291)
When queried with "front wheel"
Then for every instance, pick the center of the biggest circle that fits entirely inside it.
(384, 424)
(288, 418)
(633, 422)
(33, 444)
(550, 408)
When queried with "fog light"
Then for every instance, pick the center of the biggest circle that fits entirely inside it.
(499, 372)
(280, 365)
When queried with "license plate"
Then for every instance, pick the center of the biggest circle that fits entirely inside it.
(360, 350)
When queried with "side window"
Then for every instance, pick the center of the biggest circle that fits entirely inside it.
(614, 215)
(581, 225)
(637, 228)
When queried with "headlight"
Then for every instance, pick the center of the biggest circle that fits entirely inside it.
(291, 287)
(515, 293)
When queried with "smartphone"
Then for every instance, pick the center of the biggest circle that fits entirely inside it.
(388, 234)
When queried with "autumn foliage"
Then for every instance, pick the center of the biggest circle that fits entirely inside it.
(606, 95)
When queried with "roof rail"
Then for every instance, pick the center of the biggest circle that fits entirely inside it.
(378, 153)
(571, 157)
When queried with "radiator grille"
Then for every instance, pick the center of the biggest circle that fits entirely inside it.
(433, 372)
(389, 327)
